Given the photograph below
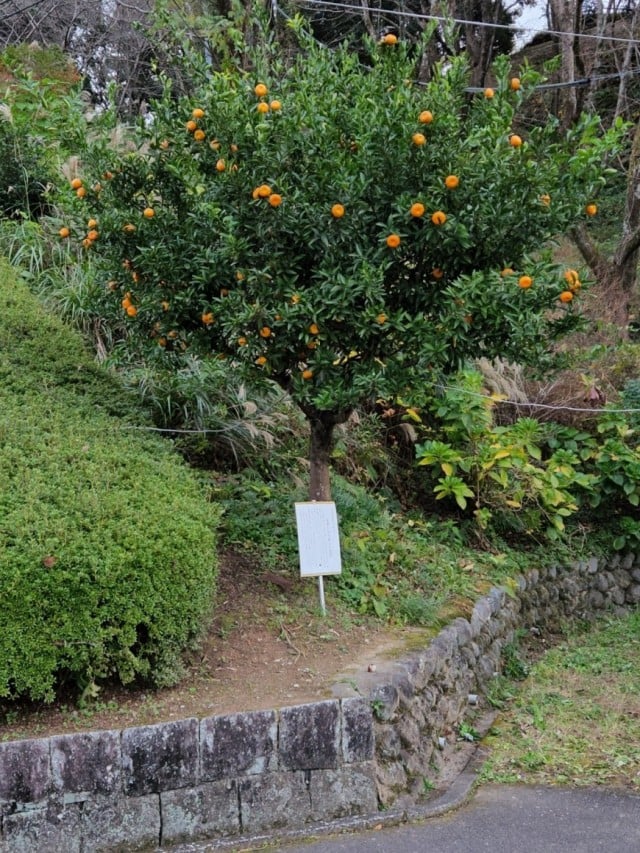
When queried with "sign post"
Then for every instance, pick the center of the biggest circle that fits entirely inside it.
(318, 542)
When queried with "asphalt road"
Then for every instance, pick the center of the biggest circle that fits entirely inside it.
(508, 819)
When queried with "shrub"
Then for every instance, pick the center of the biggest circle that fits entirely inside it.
(107, 562)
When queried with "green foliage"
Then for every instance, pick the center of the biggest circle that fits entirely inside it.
(401, 569)
(23, 177)
(42, 102)
(530, 477)
(316, 300)
(107, 543)
(501, 467)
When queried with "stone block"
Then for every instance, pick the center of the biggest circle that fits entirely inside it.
(310, 736)
(357, 730)
(385, 701)
(388, 742)
(207, 811)
(633, 593)
(43, 831)
(121, 823)
(628, 560)
(160, 757)
(25, 772)
(87, 762)
(274, 800)
(622, 578)
(351, 790)
(446, 643)
(238, 745)
(463, 629)
(497, 597)
(480, 615)
(617, 596)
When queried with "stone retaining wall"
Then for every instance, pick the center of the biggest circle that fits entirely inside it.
(258, 772)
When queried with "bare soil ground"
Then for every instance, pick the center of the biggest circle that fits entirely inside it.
(267, 647)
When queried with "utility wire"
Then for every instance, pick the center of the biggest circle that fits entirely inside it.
(333, 4)
(542, 87)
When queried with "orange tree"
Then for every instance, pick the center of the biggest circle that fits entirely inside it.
(337, 228)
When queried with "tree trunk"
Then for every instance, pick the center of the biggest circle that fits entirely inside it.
(615, 277)
(320, 446)
(563, 16)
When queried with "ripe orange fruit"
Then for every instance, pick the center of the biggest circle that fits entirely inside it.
(191, 125)
(275, 200)
(275, 106)
(214, 145)
(162, 342)
(263, 107)
(313, 329)
(390, 38)
(107, 176)
(566, 296)
(307, 374)
(261, 360)
(337, 211)
(393, 241)
(81, 192)
(242, 342)
(438, 217)
(131, 310)
(489, 93)
(425, 117)
(207, 318)
(437, 273)
(507, 271)
(514, 84)
(92, 223)
(92, 235)
(265, 332)
(451, 182)
(221, 165)
(224, 291)
(515, 141)
(148, 213)
(417, 209)
(591, 209)
(525, 282)
(263, 191)
(76, 183)
(260, 90)
(419, 139)
(129, 228)
(240, 276)
(381, 319)
(571, 276)
(172, 335)
(165, 305)
(199, 135)
(295, 299)
(545, 199)
(64, 232)
(198, 113)
(87, 243)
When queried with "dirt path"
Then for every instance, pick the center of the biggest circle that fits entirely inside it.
(266, 649)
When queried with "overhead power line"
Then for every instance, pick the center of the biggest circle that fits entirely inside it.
(400, 13)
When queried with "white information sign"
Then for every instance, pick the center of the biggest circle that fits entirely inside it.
(318, 539)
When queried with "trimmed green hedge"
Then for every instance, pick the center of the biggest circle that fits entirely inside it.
(107, 540)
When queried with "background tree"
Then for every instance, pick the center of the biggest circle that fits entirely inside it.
(598, 48)
(338, 229)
